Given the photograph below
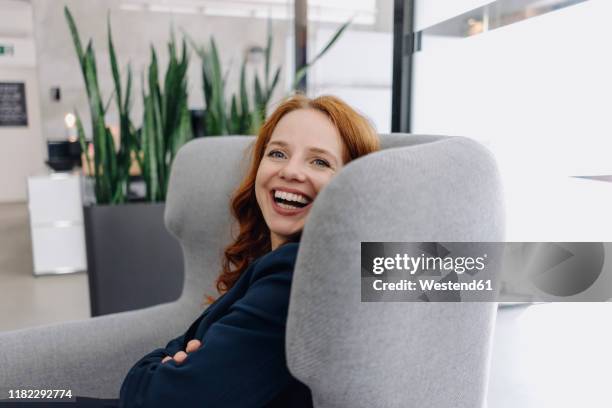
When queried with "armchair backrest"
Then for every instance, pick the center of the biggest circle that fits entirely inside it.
(204, 174)
(354, 354)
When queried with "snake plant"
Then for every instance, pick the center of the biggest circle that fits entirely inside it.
(243, 118)
(166, 124)
(111, 164)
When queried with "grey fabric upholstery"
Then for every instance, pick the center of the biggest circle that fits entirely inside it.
(354, 354)
(350, 354)
(92, 357)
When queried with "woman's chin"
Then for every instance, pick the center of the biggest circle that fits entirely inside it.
(286, 233)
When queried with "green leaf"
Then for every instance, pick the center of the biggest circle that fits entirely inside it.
(101, 155)
(157, 134)
(259, 95)
(128, 91)
(299, 75)
(245, 113)
(111, 164)
(91, 82)
(227, 71)
(83, 143)
(120, 158)
(113, 61)
(234, 122)
(256, 122)
(260, 103)
(75, 35)
(108, 102)
(273, 85)
(218, 96)
(216, 64)
(199, 50)
(332, 41)
(268, 52)
(216, 121)
(150, 153)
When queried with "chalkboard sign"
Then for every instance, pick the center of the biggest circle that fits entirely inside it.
(13, 110)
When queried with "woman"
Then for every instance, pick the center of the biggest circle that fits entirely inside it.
(233, 355)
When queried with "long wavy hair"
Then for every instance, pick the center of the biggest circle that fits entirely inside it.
(253, 239)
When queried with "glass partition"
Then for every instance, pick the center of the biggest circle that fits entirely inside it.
(531, 81)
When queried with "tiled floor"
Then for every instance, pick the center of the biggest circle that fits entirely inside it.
(26, 300)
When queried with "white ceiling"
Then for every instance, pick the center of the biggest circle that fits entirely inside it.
(361, 11)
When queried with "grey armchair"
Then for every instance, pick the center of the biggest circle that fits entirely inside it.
(422, 188)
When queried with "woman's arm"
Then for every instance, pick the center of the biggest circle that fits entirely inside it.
(157, 355)
(241, 362)
(172, 347)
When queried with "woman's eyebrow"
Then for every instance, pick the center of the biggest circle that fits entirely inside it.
(283, 144)
(319, 150)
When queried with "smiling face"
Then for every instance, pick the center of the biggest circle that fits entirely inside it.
(303, 154)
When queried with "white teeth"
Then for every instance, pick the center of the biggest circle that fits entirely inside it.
(287, 206)
(291, 197)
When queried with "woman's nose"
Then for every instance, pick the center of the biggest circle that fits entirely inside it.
(292, 170)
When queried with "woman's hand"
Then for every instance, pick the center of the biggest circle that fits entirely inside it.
(180, 356)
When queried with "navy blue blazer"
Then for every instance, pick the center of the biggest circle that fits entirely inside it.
(241, 363)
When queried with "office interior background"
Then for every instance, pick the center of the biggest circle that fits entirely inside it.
(528, 79)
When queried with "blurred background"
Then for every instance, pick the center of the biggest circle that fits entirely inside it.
(133, 80)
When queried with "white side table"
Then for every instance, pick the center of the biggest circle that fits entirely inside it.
(56, 223)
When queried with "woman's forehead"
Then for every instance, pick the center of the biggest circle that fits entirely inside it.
(306, 120)
(306, 126)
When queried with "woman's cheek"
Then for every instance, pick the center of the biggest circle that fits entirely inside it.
(320, 182)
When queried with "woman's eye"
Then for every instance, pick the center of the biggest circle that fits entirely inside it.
(276, 154)
(321, 162)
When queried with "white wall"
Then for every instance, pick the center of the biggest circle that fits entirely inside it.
(357, 69)
(21, 148)
(16, 18)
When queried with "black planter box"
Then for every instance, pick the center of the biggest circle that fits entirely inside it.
(132, 260)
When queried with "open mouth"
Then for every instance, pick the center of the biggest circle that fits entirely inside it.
(290, 201)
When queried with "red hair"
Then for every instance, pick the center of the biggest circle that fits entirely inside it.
(359, 138)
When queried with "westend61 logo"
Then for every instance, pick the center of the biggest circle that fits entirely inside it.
(485, 271)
